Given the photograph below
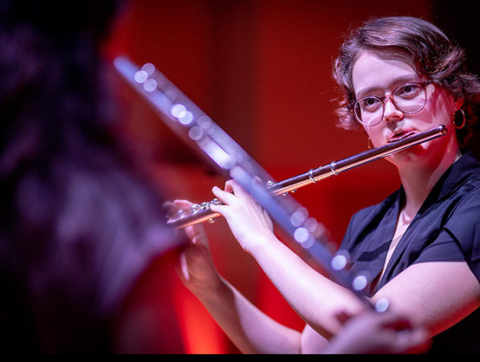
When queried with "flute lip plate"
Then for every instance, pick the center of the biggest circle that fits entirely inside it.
(441, 129)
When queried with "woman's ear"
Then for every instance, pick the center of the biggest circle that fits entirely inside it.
(458, 104)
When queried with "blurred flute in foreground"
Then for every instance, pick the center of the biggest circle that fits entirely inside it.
(202, 212)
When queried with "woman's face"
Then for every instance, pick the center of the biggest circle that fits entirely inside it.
(378, 75)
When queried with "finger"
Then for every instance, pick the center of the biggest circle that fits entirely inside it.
(234, 187)
(170, 207)
(408, 339)
(196, 233)
(190, 256)
(394, 321)
(343, 316)
(240, 192)
(268, 219)
(415, 341)
(182, 268)
(177, 209)
(176, 205)
(224, 196)
(182, 204)
(418, 342)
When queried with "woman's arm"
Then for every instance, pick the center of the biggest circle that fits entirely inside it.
(432, 295)
(250, 329)
(313, 296)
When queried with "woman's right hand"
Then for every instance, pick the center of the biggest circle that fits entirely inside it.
(196, 268)
(248, 221)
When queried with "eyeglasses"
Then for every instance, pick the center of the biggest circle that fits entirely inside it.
(408, 98)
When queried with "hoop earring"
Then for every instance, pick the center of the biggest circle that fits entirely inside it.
(464, 120)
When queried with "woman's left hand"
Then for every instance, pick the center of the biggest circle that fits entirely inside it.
(196, 268)
(250, 224)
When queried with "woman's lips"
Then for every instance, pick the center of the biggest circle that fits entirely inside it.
(400, 136)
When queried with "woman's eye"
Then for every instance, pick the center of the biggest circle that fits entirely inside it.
(408, 91)
(370, 104)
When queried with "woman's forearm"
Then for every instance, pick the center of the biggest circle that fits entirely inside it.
(314, 297)
(251, 330)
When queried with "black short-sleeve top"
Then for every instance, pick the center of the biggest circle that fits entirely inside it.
(446, 228)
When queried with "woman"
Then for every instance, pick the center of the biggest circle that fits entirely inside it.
(399, 76)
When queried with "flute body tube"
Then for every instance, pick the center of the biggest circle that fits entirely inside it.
(202, 212)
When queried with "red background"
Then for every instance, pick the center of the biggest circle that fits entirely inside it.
(262, 70)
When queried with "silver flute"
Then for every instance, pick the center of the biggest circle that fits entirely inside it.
(201, 212)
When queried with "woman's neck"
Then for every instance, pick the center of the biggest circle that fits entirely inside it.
(419, 178)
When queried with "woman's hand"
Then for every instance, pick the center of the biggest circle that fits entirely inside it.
(250, 224)
(196, 268)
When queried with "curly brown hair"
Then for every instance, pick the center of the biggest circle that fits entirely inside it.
(433, 54)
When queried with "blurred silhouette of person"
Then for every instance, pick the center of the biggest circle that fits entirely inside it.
(371, 332)
(81, 229)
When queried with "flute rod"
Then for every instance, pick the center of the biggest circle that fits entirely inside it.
(202, 212)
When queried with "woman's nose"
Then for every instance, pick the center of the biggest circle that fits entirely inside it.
(391, 112)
